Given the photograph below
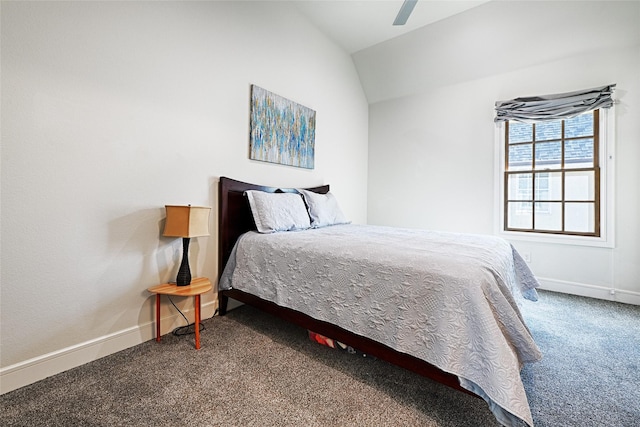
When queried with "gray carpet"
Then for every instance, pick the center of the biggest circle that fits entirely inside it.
(255, 370)
(590, 372)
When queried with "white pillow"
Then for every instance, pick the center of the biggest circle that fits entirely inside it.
(323, 209)
(278, 211)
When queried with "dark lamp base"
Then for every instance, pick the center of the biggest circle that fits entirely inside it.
(184, 274)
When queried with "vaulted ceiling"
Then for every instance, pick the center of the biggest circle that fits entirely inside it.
(356, 25)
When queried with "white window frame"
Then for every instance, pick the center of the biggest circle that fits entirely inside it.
(607, 175)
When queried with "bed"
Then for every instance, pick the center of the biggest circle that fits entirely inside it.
(461, 327)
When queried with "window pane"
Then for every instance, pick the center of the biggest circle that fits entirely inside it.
(579, 217)
(578, 153)
(548, 130)
(520, 132)
(549, 155)
(548, 186)
(548, 216)
(552, 176)
(581, 125)
(579, 185)
(520, 215)
(520, 186)
(521, 157)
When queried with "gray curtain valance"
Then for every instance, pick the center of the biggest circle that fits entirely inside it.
(554, 107)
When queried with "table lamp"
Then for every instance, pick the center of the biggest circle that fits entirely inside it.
(186, 222)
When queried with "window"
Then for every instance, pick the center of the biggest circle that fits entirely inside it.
(555, 174)
(552, 176)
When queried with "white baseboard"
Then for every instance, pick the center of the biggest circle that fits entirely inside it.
(30, 371)
(591, 291)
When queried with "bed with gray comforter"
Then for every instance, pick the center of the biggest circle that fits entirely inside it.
(449, 299)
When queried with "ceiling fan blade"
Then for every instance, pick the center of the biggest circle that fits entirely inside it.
(405, 11)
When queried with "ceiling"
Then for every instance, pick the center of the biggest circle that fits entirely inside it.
(357, 24)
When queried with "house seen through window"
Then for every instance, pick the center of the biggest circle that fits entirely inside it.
(552, 176)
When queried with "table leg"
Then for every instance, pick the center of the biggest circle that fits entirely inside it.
(197, 325)
(158, 317)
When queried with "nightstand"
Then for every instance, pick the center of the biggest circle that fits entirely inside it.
(197, 287)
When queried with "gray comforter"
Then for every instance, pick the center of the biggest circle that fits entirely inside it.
(446, 298)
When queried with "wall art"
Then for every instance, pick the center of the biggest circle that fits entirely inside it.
(281, 131)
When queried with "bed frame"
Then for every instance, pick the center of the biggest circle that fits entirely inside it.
(235, 219)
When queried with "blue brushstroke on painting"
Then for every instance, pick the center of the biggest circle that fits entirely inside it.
(281, 131)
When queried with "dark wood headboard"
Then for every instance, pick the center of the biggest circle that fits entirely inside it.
(235, 216)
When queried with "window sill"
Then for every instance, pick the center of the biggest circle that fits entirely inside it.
(602, 242)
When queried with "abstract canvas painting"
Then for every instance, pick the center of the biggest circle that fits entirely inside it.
(281, 131)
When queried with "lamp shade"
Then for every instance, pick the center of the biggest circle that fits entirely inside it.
(187, 221)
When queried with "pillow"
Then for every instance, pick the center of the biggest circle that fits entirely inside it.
(323, 209)
(278, 211)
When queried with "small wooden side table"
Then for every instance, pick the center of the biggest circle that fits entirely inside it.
(197, 287)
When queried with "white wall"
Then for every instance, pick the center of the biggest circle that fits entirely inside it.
(110, 110)
(431, 131)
